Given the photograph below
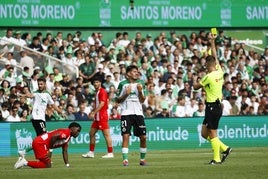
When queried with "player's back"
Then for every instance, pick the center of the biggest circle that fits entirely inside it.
(64, 137)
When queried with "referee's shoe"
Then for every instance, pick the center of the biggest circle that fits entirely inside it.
(226, 154)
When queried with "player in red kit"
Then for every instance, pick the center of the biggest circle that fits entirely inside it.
(50, 140)
(101, 117)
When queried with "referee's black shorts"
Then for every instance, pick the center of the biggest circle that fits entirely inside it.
(213, 114)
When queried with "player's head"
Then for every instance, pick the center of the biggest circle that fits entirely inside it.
(210, 61)
(41, 84)
(97, 80)
(75, 129)
(132, 72)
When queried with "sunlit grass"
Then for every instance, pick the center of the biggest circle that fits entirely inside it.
(242, 163)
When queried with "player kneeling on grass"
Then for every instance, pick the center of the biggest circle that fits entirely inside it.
(50, 140)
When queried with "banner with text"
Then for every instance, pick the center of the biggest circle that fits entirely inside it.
(162, 134)
(145, 13)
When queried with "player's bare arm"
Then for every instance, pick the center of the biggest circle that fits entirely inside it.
(213, 48)
(122, 98)
(141, 96)
(27, 95)
(65, 154)
(97, 109)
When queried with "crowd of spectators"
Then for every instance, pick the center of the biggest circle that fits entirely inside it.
(167, 64)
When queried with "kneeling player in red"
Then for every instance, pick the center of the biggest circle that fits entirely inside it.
(50, 140)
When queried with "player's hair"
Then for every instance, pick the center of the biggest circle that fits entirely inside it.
(97, 78)
(41, 79)
(210, 60)
(131, 67)
(74, 124)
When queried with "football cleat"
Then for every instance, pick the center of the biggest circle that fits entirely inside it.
(226, 154)
(20, 163)
(143, 163)
(109, 155)
(213, 162)
(88, 155)
(125, 163)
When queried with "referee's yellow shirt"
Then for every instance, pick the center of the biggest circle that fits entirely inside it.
(212, 82)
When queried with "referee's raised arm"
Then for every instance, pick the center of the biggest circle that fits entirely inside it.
(212, 38)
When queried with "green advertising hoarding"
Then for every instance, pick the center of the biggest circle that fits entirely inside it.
(143, 13)
(162, 134)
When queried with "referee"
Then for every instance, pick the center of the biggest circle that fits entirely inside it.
(212, 83)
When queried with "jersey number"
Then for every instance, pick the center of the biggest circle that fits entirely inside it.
(124, 123)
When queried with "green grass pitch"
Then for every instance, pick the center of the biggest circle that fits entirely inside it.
(242, 163)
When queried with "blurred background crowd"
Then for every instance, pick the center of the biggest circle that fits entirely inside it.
(167, 63)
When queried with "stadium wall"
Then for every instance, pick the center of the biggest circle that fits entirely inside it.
(162, 134)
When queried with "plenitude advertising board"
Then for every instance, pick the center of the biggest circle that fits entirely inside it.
(162, 134)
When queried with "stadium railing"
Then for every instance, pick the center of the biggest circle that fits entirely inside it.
(45, 60)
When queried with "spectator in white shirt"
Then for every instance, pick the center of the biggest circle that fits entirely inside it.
(180, 110)
(7, 42)
(124, 41)
(14, 116)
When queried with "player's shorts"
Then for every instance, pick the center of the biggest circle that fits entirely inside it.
(213, 114)
(133, 120)
(41, 151)
(100, 125)
(39, 126)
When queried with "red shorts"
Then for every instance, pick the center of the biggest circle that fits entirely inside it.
(101, 125)
(41, 151)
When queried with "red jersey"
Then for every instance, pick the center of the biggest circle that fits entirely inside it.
(65, 136)
(102, 95)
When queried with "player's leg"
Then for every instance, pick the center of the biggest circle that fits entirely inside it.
(125, 132)
(108, 139)
(92, 138)
(143, 149)
(211, 121)
(204, 132)
(41, 153)
(140, 131)
(125, 143)
(215, 144)
(39, 126)
(42, 163)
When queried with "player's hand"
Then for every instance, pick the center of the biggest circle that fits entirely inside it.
(128, 89)
(212, 36)
(139, 88)
(91, 115)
